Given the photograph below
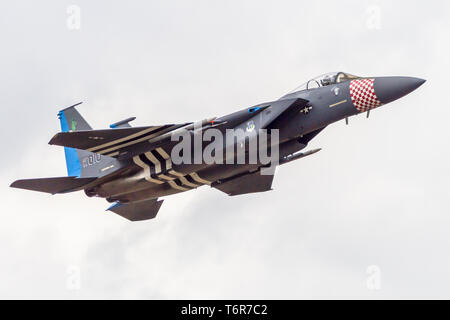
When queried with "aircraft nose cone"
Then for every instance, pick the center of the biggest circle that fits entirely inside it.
(388, 89)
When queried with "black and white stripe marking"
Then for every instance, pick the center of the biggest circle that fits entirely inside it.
(132, 137)
(158, 169)
(112, 148)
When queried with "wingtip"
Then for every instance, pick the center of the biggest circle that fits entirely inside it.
(53, 139)
(13, 185)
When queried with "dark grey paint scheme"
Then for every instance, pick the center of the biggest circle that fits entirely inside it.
(132, 169)
(53, 185)
(392, 88)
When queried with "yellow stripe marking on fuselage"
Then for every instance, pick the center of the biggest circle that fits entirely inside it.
(195, 176)
(338, 103)
(146, 168)
(155, 161)
(175, 186)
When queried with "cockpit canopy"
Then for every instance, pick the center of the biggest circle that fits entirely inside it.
(325, 80)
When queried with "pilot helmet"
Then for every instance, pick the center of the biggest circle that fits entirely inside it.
(327, 80)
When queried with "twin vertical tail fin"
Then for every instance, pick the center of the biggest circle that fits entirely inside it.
(80, 163)
(71, 119)
(82, 166)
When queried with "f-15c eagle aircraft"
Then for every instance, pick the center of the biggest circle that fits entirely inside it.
(134, 166)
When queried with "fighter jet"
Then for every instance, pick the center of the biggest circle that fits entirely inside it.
(133, 167)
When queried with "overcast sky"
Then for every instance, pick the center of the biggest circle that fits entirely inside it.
(370, 211)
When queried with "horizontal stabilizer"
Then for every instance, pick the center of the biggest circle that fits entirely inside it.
(247, 183)
(110, 142)
(137, 211)
(53, 185)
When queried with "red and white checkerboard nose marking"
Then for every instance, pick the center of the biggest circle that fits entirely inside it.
(363, 95)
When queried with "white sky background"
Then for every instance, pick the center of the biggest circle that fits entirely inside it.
(377, 194)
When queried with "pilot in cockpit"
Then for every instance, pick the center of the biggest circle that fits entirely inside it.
(326, 81)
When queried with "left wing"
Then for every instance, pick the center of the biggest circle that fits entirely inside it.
(111, 142)
(246, 183)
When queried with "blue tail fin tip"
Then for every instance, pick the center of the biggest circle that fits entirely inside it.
(72, 161)
(80, 163)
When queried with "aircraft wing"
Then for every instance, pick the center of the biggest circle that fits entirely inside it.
(246, 183)
(125, 142)
(137, 211)
(111, 142)
(53, 185)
